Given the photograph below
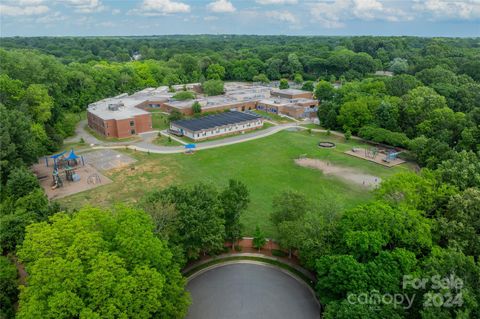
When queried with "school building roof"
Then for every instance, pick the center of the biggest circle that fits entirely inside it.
(216, 120)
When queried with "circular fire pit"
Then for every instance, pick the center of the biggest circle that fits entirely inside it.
(326, 144)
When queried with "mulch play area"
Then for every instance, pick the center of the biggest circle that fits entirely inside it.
(379, 156)
(64, 177)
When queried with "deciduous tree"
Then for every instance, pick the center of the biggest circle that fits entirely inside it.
(105, 263)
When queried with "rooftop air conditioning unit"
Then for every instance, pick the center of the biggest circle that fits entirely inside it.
(113, 107)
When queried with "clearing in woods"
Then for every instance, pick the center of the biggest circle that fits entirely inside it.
(265, 165)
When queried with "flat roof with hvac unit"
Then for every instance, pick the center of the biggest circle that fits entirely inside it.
(212, 121)
(212, 126)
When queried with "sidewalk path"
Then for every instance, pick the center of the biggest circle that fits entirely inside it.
(146, 144)
(286, 261)
(81, 133)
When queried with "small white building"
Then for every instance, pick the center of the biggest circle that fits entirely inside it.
(212, 126)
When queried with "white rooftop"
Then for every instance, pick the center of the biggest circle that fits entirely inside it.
(123, 106)
(289, 91)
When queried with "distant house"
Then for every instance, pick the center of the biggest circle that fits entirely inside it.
(211, 126)
(136, 56)
(384, 73)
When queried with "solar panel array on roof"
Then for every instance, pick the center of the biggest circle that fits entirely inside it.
(212, 121)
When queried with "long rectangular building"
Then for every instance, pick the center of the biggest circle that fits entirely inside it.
(211, 126)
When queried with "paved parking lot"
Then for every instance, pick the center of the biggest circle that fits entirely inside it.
(250, 291)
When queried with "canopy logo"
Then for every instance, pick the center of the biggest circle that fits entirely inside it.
(442, 292)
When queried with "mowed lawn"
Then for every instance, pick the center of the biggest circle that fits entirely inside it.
(265, 165)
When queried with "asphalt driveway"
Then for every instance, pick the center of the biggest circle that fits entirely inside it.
(250, 291)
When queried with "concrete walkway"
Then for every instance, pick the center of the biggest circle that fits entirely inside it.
(80, 132)
(146, 144)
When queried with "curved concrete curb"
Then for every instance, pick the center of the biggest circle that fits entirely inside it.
(254, 262)
(298, 268)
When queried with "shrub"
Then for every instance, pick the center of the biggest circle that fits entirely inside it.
(261, 78)
(283, 84)
(348, 135)
(196, 107)
(184, 95)
(213, 87)
(175, 116)
(381, 135)
(308, 86)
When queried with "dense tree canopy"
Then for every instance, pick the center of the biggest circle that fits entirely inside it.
(198, 220)
(99, 263)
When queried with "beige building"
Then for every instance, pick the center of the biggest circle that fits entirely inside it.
(211, 126)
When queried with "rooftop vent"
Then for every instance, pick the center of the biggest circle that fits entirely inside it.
(114, 106)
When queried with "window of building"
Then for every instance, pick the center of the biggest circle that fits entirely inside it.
(132, 123)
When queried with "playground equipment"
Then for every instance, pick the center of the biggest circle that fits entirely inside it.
(94, 179)
(56, 159)
(391, 156)
(60, 161)
(67, 164)
(371, 152)
(71, 175)
(326, 144)
(57, 180)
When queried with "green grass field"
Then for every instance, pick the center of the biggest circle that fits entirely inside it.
(163, 141)
(265, 165)
(274, 117)
(160, 121)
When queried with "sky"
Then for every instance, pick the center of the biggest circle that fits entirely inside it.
(429, 18)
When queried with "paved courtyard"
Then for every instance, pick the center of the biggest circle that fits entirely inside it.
(247, 291)
(107, 159)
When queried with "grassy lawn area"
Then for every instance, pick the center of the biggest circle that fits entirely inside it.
(313, 126)
(160, 121)
(77, 146)
(265, 165)
(274, 117)
(163, 141)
